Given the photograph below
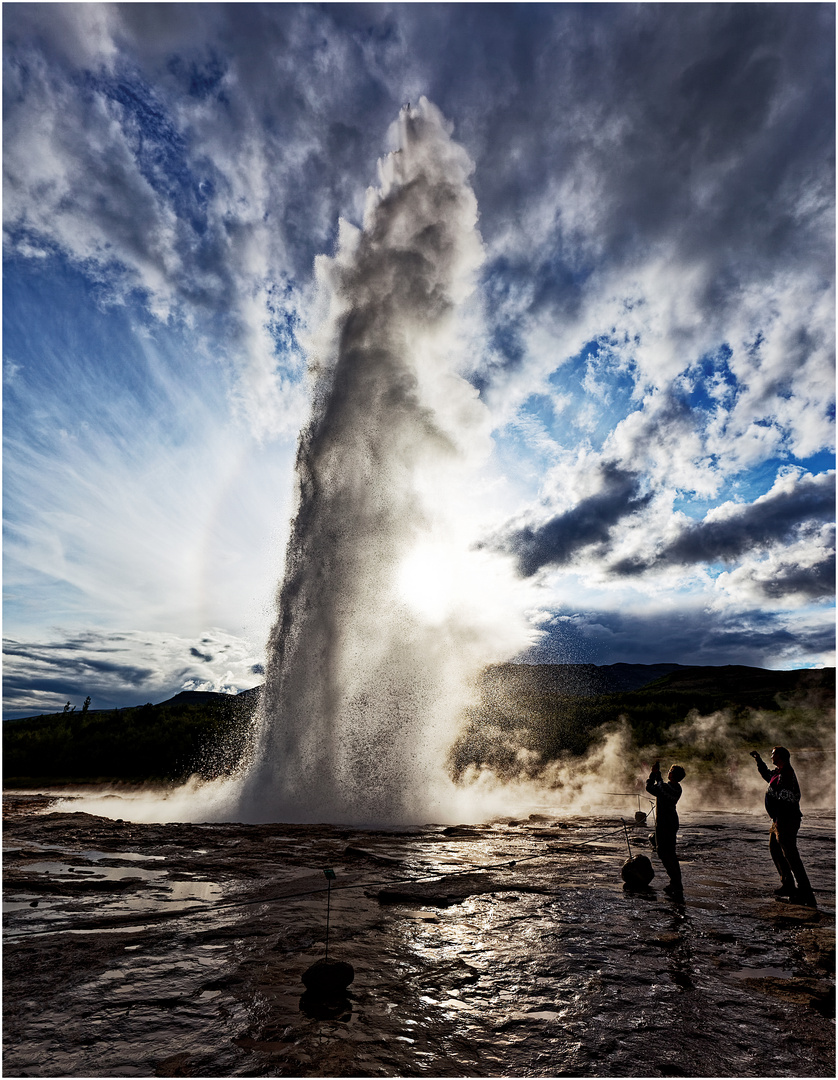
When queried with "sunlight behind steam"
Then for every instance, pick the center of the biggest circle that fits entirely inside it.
(386, 616)
(429, 580)
(387, 612)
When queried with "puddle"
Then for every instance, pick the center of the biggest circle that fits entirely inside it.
(573, 978)
(139, 889)
(195, 891)
(129, 856)
(138, 928)
(101, 873)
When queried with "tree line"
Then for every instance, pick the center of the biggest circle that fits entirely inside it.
(517, 709)
(166, 742)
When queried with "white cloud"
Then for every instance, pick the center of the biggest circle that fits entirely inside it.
(123, 668)
(97, 174)
(120, 522)
(664, 235)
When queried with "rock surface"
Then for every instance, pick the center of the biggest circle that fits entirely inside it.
(638, 871)
(328, 977)
(538, 962)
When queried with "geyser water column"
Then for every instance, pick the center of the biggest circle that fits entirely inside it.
(385, 614)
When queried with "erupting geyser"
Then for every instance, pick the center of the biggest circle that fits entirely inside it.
(386, 612)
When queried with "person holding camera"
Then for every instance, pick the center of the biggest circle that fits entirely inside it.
(782, 804)
(667, 793)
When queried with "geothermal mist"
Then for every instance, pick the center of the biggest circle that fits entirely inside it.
(385, 613)
(390, 607)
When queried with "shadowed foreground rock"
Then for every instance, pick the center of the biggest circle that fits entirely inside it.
(328, 977)
(637, 872)
(465, 965)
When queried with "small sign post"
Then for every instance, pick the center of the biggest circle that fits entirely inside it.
(330, 877)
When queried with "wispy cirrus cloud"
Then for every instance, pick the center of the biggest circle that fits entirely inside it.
(652, 332)
(117, 670)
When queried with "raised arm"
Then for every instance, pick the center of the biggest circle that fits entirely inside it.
(764, 771)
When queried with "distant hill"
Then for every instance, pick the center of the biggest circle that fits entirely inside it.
(578, 680)
(204, 697)
(193, 732)
(550, 710)
(201, 698)
(758, 687)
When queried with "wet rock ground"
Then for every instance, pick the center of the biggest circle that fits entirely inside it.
(505, 949)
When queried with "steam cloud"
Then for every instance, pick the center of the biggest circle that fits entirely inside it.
(385, 615)
(388, 609)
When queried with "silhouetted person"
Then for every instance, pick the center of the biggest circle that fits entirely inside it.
(782, 803)
(667, 793)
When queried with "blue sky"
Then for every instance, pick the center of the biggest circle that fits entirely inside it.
(652, 331)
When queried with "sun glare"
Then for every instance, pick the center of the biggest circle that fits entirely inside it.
(426, 581)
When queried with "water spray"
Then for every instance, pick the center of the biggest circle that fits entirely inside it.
(386, 608)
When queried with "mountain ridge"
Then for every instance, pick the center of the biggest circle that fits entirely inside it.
(547, 710)
(579, 680)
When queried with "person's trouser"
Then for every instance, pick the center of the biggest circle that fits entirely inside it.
(665, 843)
(782, 843)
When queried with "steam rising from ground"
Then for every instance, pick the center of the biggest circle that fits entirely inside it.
(714, 749)
(386, 615)
(606, 780)
(388, 612)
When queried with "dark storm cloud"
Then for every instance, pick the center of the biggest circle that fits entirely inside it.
(772, 519)
(812, 582)
(74, 669)
(554, 542)
(693, 636)
(698, 125)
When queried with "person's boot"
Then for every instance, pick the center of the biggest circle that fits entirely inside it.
(806, 898)
(786, 889)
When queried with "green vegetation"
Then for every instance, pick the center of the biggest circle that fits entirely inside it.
(698, 712)
(192, 733)
(526, 717)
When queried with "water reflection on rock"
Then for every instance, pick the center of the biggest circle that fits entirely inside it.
(178, 950)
